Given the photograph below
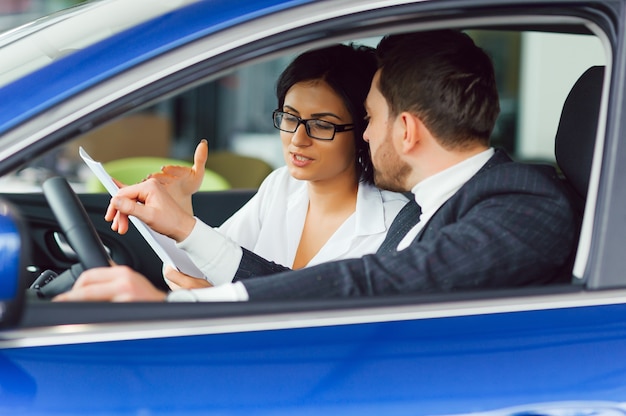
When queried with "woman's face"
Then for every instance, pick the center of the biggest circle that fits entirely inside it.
(312, 159)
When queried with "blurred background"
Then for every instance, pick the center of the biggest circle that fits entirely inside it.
(234, 111)
(14, 13)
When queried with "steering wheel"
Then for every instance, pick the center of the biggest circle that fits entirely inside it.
(75, 224)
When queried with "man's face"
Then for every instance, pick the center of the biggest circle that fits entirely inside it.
(390, 171)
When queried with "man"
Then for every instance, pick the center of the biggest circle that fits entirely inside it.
(484, 222)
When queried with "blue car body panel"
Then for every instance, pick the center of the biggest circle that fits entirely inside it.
(10, 249)
(85, 68)
(439, 366)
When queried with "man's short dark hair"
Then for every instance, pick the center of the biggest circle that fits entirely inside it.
(445, 79)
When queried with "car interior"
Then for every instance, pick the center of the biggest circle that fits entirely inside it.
(551, 85)
(576, 134)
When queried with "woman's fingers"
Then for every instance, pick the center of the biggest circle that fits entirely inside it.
(183, 280)
(200, 156)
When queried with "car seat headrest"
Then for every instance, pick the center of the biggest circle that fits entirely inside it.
(576, 133)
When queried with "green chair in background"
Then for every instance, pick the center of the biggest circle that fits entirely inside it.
(239, 170)
(135, 169)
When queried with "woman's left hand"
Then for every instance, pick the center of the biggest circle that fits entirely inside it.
(181, 181)
(178, 280)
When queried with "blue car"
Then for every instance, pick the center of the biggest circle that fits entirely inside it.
(149, 78)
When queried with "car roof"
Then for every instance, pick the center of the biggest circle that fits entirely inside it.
(147, 35)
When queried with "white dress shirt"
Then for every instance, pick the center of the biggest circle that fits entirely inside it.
(431, 193)
(271, 224)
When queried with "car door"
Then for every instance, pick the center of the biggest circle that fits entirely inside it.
(540, 350)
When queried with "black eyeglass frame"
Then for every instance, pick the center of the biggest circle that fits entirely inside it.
(338, 128)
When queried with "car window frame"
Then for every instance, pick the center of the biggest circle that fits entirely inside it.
(212, 55)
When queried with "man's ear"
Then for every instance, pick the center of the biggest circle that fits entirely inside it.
(413, 130)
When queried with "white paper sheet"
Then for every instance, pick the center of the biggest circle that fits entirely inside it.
(162, 245)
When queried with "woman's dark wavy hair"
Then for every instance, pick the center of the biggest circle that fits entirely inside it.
(349, 70)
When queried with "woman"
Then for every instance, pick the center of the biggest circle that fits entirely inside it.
(322, 205)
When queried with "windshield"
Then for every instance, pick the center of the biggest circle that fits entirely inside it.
(36, 44)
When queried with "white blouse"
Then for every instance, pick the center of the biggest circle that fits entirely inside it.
(271, 225)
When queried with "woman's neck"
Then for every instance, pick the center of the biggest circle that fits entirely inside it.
(336, 195)
(331, 203)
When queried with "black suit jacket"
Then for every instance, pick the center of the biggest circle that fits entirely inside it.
(510, 225)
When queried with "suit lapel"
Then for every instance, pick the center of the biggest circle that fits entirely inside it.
(404, 221)
(498, 158)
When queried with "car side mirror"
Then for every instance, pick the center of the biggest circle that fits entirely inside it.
(14, 253)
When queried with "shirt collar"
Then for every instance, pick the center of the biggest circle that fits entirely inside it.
(434, 191)
(370, 211)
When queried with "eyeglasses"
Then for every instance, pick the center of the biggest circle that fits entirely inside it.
(315, 128)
